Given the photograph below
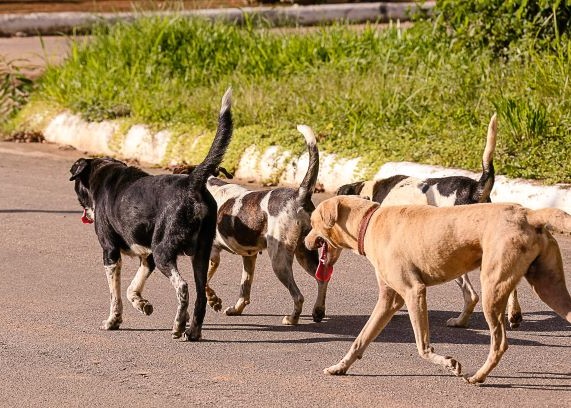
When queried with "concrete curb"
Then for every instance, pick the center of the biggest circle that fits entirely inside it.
(141, 144)
(58, 23)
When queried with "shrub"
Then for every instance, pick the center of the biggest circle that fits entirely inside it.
(497, 24)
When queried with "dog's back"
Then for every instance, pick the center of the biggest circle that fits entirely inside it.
(247, 219)
(440, 191)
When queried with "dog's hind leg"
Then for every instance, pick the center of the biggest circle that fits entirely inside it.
(135, 289)
(200, 267)
(546, 277)
(282, 255)
(213, 300)
(415, 299)
(112, 263)
(249, 264)
(168, 266)
(388, 303)
(470, 301)
(494, 300)
(514, 310)
(309, 260)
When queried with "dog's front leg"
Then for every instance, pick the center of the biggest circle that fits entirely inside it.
(387, 305)
(415, 298)
(113, 273)
(135, 289)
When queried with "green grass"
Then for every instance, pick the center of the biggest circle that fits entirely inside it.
(382, 95)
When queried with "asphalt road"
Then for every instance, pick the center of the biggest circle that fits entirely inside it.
(54, 295)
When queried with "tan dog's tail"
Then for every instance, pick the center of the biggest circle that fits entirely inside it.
(552, 218)
(486, 182)
(307, 185)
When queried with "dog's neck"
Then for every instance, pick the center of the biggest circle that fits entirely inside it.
(363, 228)
(350, 223)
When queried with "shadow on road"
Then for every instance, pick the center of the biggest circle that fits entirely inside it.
(399, 330)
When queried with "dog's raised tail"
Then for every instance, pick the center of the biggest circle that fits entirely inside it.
(553, 219)
(307, 185)
(486, 182)
(219, 144)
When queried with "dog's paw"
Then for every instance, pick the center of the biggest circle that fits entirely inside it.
(290, 321)
(178, 328)
(193, 334)
(215, 303)
(515, 320)
(457, 322)
(455, 367)
(337, 369)
(111, 324)
(231, 311)
(318, 314)
(147, 309)
(474, 380)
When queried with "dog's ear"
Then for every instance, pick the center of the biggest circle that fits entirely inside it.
(329, 213)
(350, 189)
(78, 168)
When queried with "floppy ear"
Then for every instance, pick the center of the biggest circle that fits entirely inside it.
(329, 213)
(79, 167)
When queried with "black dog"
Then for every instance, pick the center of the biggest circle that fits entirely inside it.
(155, 218)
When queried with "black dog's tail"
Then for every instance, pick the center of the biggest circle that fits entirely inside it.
(486, 182)
(307, 185)
(221, 141)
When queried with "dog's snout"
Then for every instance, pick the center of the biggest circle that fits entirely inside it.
(313, 241)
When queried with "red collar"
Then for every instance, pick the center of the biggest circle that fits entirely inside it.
(363, 228)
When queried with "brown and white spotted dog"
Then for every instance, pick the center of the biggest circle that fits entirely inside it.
(250, 222)
(442, 192)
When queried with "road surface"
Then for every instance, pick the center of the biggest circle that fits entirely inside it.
(54, 296)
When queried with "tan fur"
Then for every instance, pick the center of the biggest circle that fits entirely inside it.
(415, 247)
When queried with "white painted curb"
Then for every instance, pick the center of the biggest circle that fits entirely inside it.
(141, 144)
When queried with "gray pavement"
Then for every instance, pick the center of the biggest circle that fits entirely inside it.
(54, 296)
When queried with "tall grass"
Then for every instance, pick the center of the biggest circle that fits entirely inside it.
(380, 94)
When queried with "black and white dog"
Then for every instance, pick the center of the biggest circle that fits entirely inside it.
(277, 220)
(442, 192)
(156, 218)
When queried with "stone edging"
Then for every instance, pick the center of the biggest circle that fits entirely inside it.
(58, 23)
(141, 144)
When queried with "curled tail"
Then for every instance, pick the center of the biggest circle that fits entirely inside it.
(221, 141)
(307, 185)
(486, 182)
(552, 218)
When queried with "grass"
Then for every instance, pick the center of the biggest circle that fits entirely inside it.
(383, 95)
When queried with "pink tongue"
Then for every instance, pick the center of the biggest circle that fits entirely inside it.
(323, 273)
(85, 219)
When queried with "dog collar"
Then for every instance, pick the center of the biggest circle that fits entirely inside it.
(363, 228)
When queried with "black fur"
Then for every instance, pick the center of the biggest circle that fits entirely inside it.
(167, 215)
(383, 187)
(350, 189)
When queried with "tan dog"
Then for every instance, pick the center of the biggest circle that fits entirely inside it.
(418, 246)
